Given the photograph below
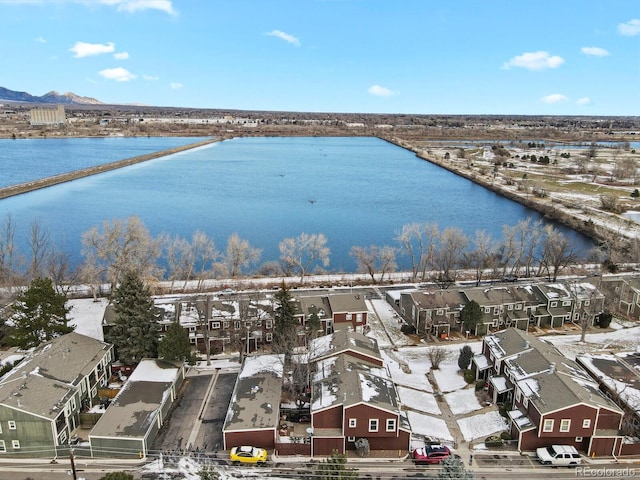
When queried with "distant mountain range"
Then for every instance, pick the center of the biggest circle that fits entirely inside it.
(51, 97)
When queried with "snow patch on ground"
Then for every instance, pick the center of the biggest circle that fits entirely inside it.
(427, 426)
(419, 400)
(462, 401)
(482, 425)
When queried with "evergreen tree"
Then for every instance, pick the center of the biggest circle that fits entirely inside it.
(175, 345)
(39, 314)
(453, 468)
(285, 327)
(312, 327)
(470, 315)
(466, 354)
(135, 330)
(334, 468)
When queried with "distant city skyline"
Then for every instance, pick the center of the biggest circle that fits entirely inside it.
(344, 56)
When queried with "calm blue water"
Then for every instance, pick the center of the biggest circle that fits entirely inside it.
(24, 160)
(357, 191)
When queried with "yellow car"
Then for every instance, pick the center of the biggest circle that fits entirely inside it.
(248, 454)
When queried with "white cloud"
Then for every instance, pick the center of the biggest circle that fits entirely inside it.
(534, 61)
(121, 55)
(118, 74)
(584, 101)
(554, 98)
(379, 91)
(285, 36)
(150, 77)
(133, 6)
(630, 28)
(595, 51)
(82, 49)
(39, 40)
(176, 85)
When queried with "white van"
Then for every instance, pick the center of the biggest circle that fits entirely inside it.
(559, 455)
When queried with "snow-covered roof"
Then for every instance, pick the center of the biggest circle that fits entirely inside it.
(255, 402)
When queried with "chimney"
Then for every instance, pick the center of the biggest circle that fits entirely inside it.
(552, 367)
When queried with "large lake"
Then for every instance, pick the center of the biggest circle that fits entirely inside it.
(357, 191)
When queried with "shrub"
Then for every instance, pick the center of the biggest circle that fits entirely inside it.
(493, 441)
(505, 435)
(469, 376)
(480, 384)
(408, 329)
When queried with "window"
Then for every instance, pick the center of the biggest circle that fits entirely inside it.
(63, 438)
(269, 324)
(487, 309)
(578, 439)
(518, 395)
(586, 423)
(12, 425)
(226, 324)
(554, 304)
(548, 426)
(351, 439)
(495, 310)
(358, 318)
(439, 311)
(3, 448)
(586, 303)
(509, 307)
(192, 341)
(215, 325)
(259, 323)
(518, 307)
(192, 329)
(373, 424)
(236, 324)
(353, 422)
(15, 444)
(565, 425)
(269, 337)
(349, 316)
(391, 424)
(567, 303)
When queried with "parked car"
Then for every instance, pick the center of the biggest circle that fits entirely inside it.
(559, 455)
(247, 454)
(510, 278)
(430, 454)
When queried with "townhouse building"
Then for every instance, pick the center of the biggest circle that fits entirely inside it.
(42, 397)
(550, 399)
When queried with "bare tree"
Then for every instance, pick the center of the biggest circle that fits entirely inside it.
(121, 245)
(39, 248)
(436, 356)
(177, 251)
(10, 259)
(59, 269)
(557, 252)
(199, 258)
(203, 307)
(418, 242)
(239, 254)
(482, 257)
(300, 253)
(452, 242)
(375, 259)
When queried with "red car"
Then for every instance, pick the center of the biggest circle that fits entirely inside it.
(430, 454)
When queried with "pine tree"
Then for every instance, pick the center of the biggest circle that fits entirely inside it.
(470, 315)
(135, 332)
(466, 354)
(285, 327)
(334, 468)
(453, 468)
(39, 314)
(175, 345)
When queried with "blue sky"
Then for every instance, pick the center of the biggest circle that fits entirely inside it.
(543, 57)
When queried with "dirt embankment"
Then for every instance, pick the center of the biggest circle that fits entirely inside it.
(85, 172)
(553, 211)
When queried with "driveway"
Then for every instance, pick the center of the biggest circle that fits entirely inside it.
(176, 431)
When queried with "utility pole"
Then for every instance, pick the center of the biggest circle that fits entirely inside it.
(73, 465)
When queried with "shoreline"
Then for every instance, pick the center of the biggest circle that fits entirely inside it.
(21, 188)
